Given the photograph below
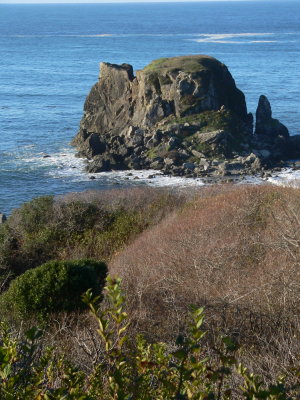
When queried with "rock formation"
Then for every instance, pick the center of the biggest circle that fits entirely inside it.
(182, 115)
(265, 124)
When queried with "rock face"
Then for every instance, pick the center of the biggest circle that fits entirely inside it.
(181, 115)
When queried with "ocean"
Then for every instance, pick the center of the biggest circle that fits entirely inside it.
(50, 58)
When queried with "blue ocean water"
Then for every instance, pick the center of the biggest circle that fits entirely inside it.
(50, 57)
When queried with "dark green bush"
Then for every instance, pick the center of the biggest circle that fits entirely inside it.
(53, 287)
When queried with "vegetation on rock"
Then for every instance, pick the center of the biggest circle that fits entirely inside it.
(187, 64)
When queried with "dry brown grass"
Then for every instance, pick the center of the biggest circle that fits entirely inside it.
(235, 250)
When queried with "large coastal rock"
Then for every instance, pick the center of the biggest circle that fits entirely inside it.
(182, 115)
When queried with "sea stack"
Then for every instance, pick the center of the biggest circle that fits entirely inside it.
(265, 124)
(182, 115)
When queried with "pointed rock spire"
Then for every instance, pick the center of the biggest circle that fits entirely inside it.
(265, 124)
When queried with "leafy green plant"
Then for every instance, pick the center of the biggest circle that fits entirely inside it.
(132, 371)
(26, 373)
(52, 287)
(149, 371)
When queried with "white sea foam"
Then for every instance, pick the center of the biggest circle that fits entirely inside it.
(286, 177)
(235, 35)
(74, 171)
(65, 166)
(149, 177)
(264, 41)
(63, 163)
(198, 37)
(90, 36)
(226, 37)
(95, 35)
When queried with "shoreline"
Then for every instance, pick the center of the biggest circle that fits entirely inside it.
(81, 180)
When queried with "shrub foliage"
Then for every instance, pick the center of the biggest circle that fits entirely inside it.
(76, 226)
(136, 371)
(52, 287)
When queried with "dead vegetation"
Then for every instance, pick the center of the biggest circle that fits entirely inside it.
(236, 252)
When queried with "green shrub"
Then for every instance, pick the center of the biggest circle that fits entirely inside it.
(36, 213)
(77, 226)
(52, 287)
(135, 370)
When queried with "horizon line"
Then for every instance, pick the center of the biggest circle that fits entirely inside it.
(57, 2)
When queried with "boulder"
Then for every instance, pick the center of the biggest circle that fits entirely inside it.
(214, 137)
(189, 166)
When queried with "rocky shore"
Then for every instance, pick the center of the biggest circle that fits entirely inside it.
(183, 116)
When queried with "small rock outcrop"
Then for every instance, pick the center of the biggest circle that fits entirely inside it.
(265, 124)
(181, 115)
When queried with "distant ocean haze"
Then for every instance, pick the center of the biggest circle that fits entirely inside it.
(50, 59)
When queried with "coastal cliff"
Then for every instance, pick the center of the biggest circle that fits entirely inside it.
(182, 115)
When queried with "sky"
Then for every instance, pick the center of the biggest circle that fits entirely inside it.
(110, 1)
(100, 1)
